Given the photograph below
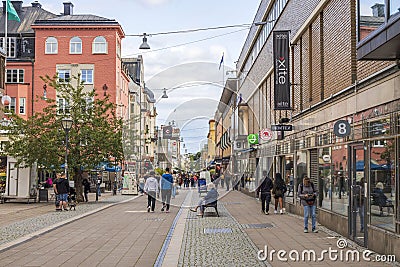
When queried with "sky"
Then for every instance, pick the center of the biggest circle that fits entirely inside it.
(185, 64)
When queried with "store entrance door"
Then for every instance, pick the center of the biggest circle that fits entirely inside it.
(357, 194)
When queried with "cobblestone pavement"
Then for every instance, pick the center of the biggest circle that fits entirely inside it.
(215, 241)
(47, 217)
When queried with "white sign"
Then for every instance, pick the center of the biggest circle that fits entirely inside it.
(266, 134)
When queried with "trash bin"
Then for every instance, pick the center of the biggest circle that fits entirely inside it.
(43, 195)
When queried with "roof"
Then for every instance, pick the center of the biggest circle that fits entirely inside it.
(28, 15)
(76, 19)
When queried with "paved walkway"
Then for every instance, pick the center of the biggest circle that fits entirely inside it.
(126, 235)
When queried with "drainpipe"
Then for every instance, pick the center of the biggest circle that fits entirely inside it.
(33, 83)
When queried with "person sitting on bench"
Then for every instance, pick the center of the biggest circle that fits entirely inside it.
(212, 196)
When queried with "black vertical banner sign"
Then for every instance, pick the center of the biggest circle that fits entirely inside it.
(281, 70)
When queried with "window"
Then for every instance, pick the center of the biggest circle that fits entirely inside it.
(15, 76)
(87, 76)
(63, 106)
(22, 101)
(99, 45)
(11, 44)
(75, 45)
(51, 45)
(88, 105)
(12, 104)
(64, 76)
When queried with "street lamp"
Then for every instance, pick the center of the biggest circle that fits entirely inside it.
(66, 124)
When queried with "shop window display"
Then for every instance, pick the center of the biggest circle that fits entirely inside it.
(339, 179)
(382, 184)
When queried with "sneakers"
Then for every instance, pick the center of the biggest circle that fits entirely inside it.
(266, 213)
(162, 209)
(315, 231)
(275, 212)
(281, 212)
(305, 230)
(194, 210)
(148, 209)
(152, 211)
(167, 211)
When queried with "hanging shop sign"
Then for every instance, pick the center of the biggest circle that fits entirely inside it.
(342, 128)
(266, 134)
(281, 70)
(252, 139)
(282, 127)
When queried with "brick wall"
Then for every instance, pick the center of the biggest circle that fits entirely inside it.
(106, 65)
(337, 46)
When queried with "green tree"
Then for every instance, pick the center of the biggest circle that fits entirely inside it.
(95, 136)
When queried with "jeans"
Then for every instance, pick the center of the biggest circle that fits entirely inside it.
(166, 197)
(98, 191)
(151, 200)
(265, 200)
(173, 191)
(307, 211)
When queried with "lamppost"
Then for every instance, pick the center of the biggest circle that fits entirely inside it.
(66, 124)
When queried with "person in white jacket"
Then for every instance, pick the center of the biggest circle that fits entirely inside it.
(151, 188)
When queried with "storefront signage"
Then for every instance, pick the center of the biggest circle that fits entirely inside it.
(252, 139)
(281, 70)
(266, 134)
(167, 132)
(342, 128)
(282, 127)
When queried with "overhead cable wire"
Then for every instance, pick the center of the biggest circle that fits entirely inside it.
(246, 25)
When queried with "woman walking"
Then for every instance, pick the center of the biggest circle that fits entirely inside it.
(278, 191)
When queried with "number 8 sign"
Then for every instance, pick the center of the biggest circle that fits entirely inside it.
(341, 128)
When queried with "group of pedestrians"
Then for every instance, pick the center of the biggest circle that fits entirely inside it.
(152, 187)
(306, 191)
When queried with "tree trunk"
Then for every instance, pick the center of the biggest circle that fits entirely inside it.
(78, 186)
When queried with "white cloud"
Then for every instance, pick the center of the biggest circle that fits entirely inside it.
(151, 3)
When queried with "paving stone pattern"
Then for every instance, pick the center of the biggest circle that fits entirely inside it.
(21, 228)
(216, 241)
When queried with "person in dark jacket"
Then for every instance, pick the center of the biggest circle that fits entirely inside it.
(86, 189)
(265, 189)
(61, 189)
(212, 195)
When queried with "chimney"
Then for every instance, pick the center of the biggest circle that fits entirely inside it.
(17, 6)
(378, 10)
(36, 4)
(68, 8)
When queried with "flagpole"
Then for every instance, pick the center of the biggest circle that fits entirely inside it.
(5, 33)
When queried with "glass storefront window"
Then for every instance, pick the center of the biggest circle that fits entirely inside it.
(301, 168)
(325, 177)
(382, 183)
(339, 179)
(394, 7)
(289, 178)
(372, 15)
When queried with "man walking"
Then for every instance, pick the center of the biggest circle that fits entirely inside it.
(166, 188)
(265, 189)
(151, 189)
(61, 189)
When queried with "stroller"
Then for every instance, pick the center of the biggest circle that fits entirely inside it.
(72, 198)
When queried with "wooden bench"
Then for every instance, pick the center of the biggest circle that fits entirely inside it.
(213, 204)
(377, 200)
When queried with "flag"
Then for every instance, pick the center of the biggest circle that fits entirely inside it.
(221, 62)
(12, 14)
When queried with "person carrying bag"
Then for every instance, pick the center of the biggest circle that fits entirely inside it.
(308, 195)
